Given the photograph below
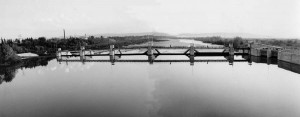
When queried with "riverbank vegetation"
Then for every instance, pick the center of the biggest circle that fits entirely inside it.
(8, 56)
(47, 47)
(43, 46)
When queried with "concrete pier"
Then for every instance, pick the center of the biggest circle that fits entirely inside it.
(269, 53)
(82, 53)
(111, 50)
(250, 62)
(192, 50)
(82, 49)
(231, 49)
(231, 59)
(112, 59)
(58, 53)
(151, 59)
(150, 50)
(192, 60)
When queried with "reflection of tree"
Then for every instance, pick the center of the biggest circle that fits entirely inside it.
(37, 61)
(7, 73)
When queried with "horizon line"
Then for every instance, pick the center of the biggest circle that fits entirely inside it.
(206, 34)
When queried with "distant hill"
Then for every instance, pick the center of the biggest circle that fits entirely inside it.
(120, 34)
(132, 34)
(225, 35)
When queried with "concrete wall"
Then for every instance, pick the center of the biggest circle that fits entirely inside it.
(292, 56)
(263, 52)
(255, 52)
(274, 53)
(296, 59)
(289, 66)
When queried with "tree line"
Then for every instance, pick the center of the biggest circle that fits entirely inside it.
(42, 45)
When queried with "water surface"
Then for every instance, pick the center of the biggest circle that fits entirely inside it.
(162, 89)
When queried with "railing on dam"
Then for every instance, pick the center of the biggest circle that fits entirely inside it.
(174, 47)
(153, 51)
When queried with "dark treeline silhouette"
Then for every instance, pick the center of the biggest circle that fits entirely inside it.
(7, 73)
(42, 45)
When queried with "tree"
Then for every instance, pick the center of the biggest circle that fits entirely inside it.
(8, 55)
(238, 41)
(41, 40)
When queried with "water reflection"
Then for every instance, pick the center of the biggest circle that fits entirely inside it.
(281, 64)
(289, 66)
(153, 58)
(208, 94)
(7, 73)
(159, 90)
(151, 86)
(261, 59)
(191, 59)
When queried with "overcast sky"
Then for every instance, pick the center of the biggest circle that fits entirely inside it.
(34, 18)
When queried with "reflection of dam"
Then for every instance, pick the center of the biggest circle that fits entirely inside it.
(281, 64)
(151, 59)
(260, 59)
(191, 59)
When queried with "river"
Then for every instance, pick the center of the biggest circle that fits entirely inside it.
(48, 88)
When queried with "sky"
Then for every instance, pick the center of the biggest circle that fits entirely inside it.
(35, 18)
